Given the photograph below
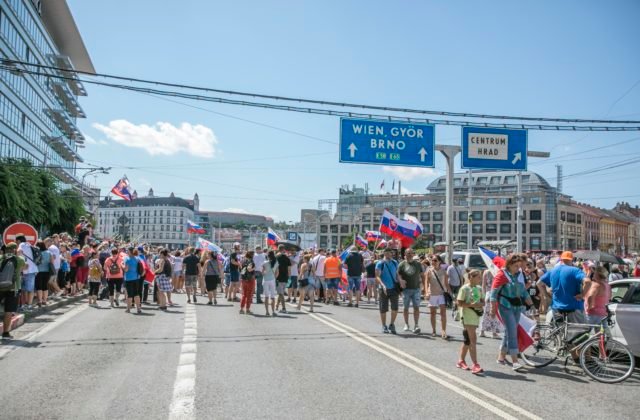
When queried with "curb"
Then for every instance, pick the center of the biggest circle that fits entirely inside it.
(18, 320)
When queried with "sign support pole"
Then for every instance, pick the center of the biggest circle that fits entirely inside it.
(519, 214)
(449, 153)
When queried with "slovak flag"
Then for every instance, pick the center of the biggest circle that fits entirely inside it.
(272, 238)
(202, 243)
(346, 252)
(194, 228)
(361, 242)
(382, 244)
(419, 228)
(404, 230)
(372, 235)
(122, 189)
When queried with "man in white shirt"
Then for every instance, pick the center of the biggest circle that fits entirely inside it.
(455, 272)
(28, 272)
(317, 265)
(292, 284)
(258, 260)
(52, 247)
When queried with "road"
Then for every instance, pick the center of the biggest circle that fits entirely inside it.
(200, 361)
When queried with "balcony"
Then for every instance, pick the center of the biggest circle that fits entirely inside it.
(62, 147)
(63, 62)
(65, 124)
(68, 100)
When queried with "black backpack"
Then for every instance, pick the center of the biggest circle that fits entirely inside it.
(7, 273)
(37, 255)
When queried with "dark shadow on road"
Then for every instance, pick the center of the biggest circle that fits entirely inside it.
(514, 376)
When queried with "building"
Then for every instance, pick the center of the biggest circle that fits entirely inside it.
(38, 113)
(632, 215)
(159, 221)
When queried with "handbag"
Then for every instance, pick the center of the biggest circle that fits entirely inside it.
(448, 299)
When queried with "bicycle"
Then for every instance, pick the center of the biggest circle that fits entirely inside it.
(601, 357)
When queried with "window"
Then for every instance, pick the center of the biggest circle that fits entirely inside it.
(492, 201)
(476, 216)
(477, 202)
(161, 212)
(482, 180)
(492, 216)
(344, 228)
(618, 291)
(535, 228)
(427, 229)
(535, 243)
(635, 296)
(437, 216)
(462, 216)
(535, 214)
(492, 228)
(579, 219)
(495, 180)
(563, 216)
(510, 179)
(463, 228)
(425, 216)
(536, 200)
(334, 228)
(571, 217)
(505, 214)
(505, 228)
(437, 228)
(476, 228)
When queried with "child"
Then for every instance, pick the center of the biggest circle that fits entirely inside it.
(470, 304)
(95, 277)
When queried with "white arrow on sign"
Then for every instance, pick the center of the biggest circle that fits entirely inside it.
(352, 148)
(422, 154)
(516, 157)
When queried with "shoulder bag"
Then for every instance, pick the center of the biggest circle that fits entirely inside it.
(448, 299)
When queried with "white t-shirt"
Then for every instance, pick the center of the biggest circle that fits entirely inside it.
(318, 263)
(258, 261)
(177, 263)
(294, 264)
(456, 275)
(56, 256)
(28, 256)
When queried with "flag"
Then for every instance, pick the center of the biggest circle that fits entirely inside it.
(382, 244)
(346, 252)
(404, 230)
(372, 235)
(194, 228)
(415, 220)
(382, 185)
(524, 328)
(121, 189)
(493, 261)
(202, 243)
(272, 238)
(361, 242)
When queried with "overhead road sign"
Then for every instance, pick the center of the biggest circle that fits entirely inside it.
(387, 143)
(494, 148)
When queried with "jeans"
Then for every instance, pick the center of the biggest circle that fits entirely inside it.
(510, 318)
(258, 287)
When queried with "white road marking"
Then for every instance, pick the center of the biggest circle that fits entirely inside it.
(30, 338)
(184, 388)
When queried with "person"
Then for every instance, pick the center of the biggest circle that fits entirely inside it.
(455, 273)
(566, 282)
(386, 278)
(234, 271)
(470, 303)
(248, 282)
(292, 284)
(114, 275)
(372, 290)
(52, 244)
(615, 274)
(531, 275)
(597, 296)
(63, 272)
(636, 270)
(95, 277)
(163, 279)
(190, 264)
(8, 295)
(437, 286)
(305, 289)
(178, 277)
(259, 257)
(489, 322)
(45, 264)
(332, 275)
(29, 271)
(213, 269)
(131, 275)
(269, 272)
(82, 267)
(508, 298)
(318, 272)
(410, 277)
(354, 263)
(75, 255)
(284, 273)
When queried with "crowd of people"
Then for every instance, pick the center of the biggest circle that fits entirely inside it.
(483, 301)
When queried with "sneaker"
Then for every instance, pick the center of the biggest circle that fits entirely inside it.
(392, 328)
(274, 314)
(248, 312)
(194, 299)
(188, 301)
(209, 303)
(416, 330)
(117, 303)
(241, 312)
(350, 305)
(293, 300)
(406, 328)
(476, 369)
(336, 303)
(283, 311)
(139, 311)
(356, 305)
(6, 336)
(385, 329)
(462, 365)
(215, 302)
(517, 367)
(502, 362)
(288, 300)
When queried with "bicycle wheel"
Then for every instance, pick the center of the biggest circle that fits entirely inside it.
(543, 351)
(607, 360)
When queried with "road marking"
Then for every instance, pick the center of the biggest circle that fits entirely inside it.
(184, 394)
(30, 338)
(398, 355)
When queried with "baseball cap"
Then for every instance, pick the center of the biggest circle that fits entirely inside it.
(12, 245)
(566, 255)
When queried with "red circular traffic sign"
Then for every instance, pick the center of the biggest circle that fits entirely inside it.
(17, 229)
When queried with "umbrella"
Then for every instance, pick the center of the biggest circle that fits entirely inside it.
(289, 246)
(599, 256)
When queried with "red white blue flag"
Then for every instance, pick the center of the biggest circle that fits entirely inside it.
(404, 230)
(361, 242)
(372, 235)
(194, 228)
(272, 238)
(123, 189)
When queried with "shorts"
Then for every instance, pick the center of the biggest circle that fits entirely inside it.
(42, 281)
(133, 288)
(280, 287)
(354, 283)
(10, 300)
(435, 301)
(191, 280)
(391, 297)
(29, 282)
(332, 284)
(62, 279)
(82, 275)
(235, 276)
(227, 279)
(212, 282)
(71, 276)
(411, 296)
(293, 282)
(269, 288)
(371, 281)
(320, 282)
(176, 273)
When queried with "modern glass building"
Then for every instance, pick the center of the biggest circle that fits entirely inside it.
(38, 112)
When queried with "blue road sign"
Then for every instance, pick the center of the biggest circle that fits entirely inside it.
(494, 148)
(387, 143)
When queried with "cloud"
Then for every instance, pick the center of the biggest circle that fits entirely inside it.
(163, 138)
(235, 210)
(406, 173)
(91, 140)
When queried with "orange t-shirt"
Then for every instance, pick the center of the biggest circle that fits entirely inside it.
(332, 268)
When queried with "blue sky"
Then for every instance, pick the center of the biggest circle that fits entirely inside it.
(543, 58)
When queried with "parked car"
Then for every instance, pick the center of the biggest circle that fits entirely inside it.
(625, 305)
(472, 258)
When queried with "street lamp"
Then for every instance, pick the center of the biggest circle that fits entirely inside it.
(91, 171)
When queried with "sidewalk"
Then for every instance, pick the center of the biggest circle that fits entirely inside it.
(54, 303)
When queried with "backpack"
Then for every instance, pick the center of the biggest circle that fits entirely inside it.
(141, 269)
(114, 268)
(94, 271)
(7, 271)
(37, 255)
(227, 265)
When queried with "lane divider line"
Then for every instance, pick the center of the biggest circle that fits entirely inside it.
(184, 394)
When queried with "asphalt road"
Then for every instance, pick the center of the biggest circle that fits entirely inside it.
(211, 362)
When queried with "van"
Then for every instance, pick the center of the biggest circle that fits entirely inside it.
(472, 258)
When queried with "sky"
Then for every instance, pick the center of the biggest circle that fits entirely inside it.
(544, 58)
